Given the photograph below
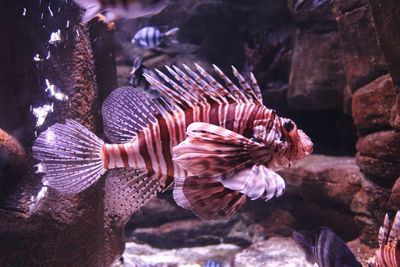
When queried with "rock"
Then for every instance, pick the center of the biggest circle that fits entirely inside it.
(395, 114)
(13, 160)
(276, 251)
(349, 5)
(378, 154)
(338, 194)
(372, 105)
(386, 18)
(363, 58)
(316, 79)
(362, 252)
(395, 196)
(196, 232)
(40, 226)
(136, 255)
(159, 211)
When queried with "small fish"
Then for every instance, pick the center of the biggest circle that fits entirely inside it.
(212, 263)
(138, 80)
(324, 248)
(152, 37)
(118, 9)
(388, 253)
(220, 145)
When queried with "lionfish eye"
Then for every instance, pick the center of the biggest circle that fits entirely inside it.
(288, 125)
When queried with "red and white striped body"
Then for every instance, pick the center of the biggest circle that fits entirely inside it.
(152, 148)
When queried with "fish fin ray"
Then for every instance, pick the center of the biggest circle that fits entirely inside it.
(92, 8)
(213, 151)
(126, 111)
(69, 156)
(256, 182)
(126, 190)
(210, 200)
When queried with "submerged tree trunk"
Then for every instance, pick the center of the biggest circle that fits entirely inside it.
(44, 45)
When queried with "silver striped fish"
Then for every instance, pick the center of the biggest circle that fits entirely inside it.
(388, 253)
(118, 9)
(152, 37)
(220, 145)
(324, 248)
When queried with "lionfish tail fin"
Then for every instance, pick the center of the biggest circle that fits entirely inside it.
(209, 199)
(69, 155)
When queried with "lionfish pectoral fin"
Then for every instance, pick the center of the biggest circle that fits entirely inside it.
(178, 194)
(212, 151)
(126, 190)
(209, 199)
(256, 182)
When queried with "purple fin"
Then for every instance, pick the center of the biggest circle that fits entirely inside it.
(69, 156)
(127, 190)
(210, 200)
(126, 111)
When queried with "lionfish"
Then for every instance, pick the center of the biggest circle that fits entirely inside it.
(388, 253)
(220, 145)
(118, 9)
(324, 248)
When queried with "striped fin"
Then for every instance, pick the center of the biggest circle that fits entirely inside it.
(210, 200)
(212, 151)
(246, 87)
(395, 230)
(214, 84)
(126, 111)
(256, 182)
(126, 190)
(306, 243)
(231, 86)
(191, 87)
(69, 156)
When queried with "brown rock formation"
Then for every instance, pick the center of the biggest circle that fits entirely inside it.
(40, 226)
(378, 154)
(372, 105)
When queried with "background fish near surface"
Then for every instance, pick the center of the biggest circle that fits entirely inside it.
(219, 145)
(324, 248)
(388, 253)
(153, 37)
(119, 9)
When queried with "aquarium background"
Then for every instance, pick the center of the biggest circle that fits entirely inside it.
(334, 70)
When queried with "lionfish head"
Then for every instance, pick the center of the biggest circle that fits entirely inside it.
(298, 143)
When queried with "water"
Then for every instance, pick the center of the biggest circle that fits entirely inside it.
(322, 66)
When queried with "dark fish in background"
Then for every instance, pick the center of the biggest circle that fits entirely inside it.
(211, 263)
(138, 80)
(308, 5)
(118, 9)
(152, 37)
(324, 248)
(388, 253)
(218, 144)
